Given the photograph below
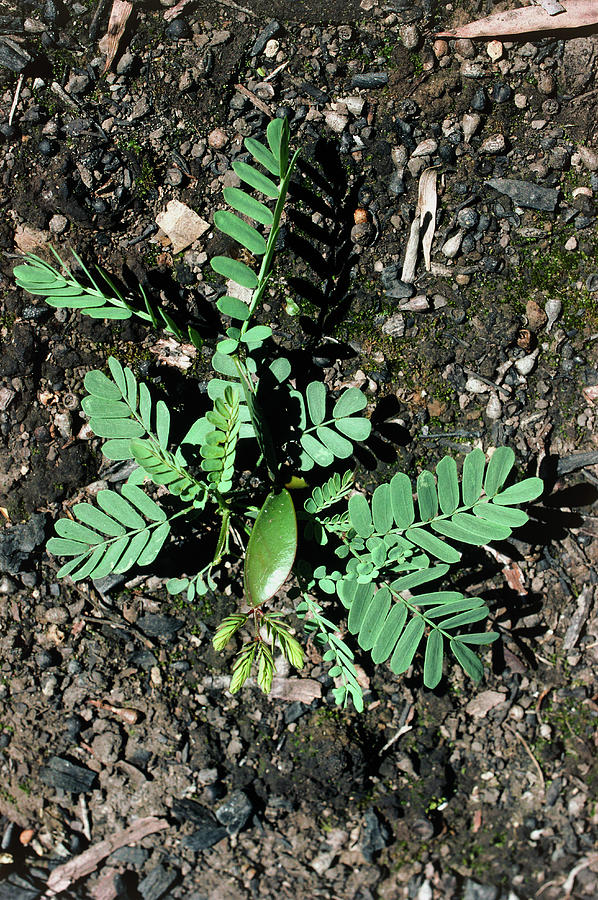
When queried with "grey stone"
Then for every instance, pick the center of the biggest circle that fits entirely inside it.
(369, 80)
(526, 193)
(18, 543)
(375, 835)
(475, 891)
(235, 812)
(159, 626)
(18, 887)
(205, 837)
(592, 283)
(13, 56)
(157, 882)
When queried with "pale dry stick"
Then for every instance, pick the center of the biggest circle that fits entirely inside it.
(255, 100)
(236, 6)
(85, 817)
(497, 387)
(275, 71)
(544, 694)
(526, 747)
(15, 99)
(62, 877)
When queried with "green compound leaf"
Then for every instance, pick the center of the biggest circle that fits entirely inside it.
(524, 492)
(448, 485)
(501, 463)
(240, 231)
(433, 659)
(248, 205)
(401, 499)
(427, 497)
(351, 401)
(271, 548)
(264, 156)
(110, 548)
(468, 660)
(233, 307)
(316, 451)
(100, 386)
(316, 401)
(473, 476)
(360, 515)
(407, 646)
(255, 179)
(235, 270)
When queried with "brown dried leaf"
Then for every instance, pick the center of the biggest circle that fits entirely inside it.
(427, 202)
(121, 10)
(578, 14)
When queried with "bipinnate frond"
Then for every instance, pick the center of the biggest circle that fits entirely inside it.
(123, 530)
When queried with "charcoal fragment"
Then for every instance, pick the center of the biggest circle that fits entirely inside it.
(67, 776)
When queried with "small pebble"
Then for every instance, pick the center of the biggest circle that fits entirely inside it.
(425, 148)
(501, 93)
(494, 408)
(493, 144)
(440, 49)
(494, 50)
(520, 101)
(451, 247)
(465, 48)
(410, 36)
(271, 48)
(470, 124)
(589, 158)
(217, 138)
(571, 244)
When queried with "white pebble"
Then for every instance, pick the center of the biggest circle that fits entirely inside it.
(336, 122)
(571, 244)
(552, 308)
(526, 363)
(451, 247)
(470, 124)
(476, 386)
(493, 144)
(271, 49)
(494, 50)
(494, 408)
(426, 148)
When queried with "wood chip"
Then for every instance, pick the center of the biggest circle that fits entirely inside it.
(427, 202)
(181, 224)
(578, 14)
(303, 689)
(481, 705)
(87, 862)
(174, 11)
(410, 261)
(121, 10)
(579, 618)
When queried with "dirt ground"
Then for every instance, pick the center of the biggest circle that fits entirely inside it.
(114, 709)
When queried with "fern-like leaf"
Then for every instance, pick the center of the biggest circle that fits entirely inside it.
(123, 530)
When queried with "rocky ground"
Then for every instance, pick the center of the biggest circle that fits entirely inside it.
(114, 710)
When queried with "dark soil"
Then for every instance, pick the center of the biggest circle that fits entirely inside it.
(113, 705)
